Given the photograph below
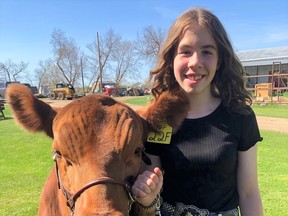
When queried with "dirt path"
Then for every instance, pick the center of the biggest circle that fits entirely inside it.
(273, 124)
(265, 123)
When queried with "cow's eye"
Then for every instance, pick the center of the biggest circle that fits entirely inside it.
(138, 151)
(57, 154)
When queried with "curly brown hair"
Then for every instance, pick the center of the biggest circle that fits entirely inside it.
(228, 83)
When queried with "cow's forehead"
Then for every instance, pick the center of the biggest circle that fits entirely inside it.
(86, 124)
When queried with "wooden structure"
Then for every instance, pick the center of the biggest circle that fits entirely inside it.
(266, 73)
(276, 85)
(263, 90)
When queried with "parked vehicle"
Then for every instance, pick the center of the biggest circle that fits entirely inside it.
(4, 85)
(62, 91)
(122, 91)
(108, 88)
(133, 92)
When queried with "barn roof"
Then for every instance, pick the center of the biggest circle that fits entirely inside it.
(263, 56)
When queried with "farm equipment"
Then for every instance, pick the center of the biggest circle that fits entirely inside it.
(62, 91)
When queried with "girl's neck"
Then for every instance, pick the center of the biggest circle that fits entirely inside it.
(201, 105)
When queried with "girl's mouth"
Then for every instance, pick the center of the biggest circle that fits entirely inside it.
(194, 77)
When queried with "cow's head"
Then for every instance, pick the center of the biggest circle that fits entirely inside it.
(97, 146)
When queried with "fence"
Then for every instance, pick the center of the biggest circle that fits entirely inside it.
(273, 90)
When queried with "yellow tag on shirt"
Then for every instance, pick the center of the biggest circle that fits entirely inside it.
(161, 137)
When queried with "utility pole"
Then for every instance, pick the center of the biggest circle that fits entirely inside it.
(100, 65)
(82, 76)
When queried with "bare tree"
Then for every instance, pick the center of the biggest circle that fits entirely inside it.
(48, 73)
(148, 43)
(101, 53)
(44, 73)
(67, 57)
(84, 73)
(13, 71)
(125, 62)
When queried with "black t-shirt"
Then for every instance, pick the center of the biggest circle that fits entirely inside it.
(200, 163)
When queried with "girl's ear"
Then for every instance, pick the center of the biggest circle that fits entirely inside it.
(171, 107)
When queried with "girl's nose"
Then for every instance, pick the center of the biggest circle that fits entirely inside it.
(194, 61)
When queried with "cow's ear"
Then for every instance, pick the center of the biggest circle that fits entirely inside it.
(170, 107)
(31, 113)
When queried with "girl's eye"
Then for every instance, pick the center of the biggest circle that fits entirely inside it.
(207, 52)
(185, 52)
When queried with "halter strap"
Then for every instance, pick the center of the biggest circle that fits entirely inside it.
(72, 198)
(103, 180)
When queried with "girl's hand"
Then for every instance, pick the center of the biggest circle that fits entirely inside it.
(147, 186)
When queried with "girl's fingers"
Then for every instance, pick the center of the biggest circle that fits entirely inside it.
(147, 182)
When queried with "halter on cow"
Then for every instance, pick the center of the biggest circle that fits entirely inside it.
(97, 145)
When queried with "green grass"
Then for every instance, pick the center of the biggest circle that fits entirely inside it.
(26, 159)
(273, 172)
(143, 100)
(271, 110)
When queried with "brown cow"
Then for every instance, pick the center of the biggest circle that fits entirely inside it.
(97, 145)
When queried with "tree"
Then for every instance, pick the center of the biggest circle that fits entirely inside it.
(67, 57)
(101, 53)
(13, 71)
(44, 74)
(148, 43)
(125, 62)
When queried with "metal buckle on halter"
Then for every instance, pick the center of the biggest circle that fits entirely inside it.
(131, 200)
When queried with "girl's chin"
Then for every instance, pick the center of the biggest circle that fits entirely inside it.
(189, 90)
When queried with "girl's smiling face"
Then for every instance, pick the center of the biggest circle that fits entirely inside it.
(196, 60)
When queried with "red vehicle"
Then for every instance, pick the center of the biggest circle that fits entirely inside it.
(110, 90)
